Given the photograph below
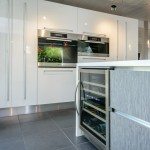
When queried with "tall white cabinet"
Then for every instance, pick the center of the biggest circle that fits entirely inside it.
(4, 53)
(127, 33)
(24, 53)
(19, 62)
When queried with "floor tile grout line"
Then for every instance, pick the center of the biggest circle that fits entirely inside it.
(64, 134)
(22, 134)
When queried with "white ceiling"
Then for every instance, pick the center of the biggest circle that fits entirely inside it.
(139, 9)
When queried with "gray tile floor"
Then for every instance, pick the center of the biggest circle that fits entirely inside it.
(42, 131)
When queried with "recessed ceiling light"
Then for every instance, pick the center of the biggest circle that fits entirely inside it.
(113, 7)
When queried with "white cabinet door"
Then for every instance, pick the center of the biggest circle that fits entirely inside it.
(91, 21)
(31, 53)
(17, 54)
(95, 23)
(127, 39)
(122, 40)
(132, 39)
(56, 85)
(57, 16)
(4, 53)
(24, 51)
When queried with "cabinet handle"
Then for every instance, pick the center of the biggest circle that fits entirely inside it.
(57, 71)
(76, 99)
(24, 45)
(94, 58)
(8, 51)
(126, 41)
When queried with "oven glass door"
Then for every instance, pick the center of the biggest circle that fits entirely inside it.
(93, 48)
(57, 51)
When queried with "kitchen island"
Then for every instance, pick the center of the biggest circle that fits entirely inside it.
(113, 104)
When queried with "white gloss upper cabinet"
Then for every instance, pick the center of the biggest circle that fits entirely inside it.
(24, 53)
(132, 39)
(92, 22)
(56, 16)
(122, 40)
(4, 53)
(127, 39)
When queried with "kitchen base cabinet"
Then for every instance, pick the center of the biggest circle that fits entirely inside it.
(130, 119)
(128, 135)
(18, 53)
(56, 85)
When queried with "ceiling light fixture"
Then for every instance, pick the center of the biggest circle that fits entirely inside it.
(113, 7)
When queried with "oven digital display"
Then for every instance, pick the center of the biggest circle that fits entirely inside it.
(59, 35)
(94, 39)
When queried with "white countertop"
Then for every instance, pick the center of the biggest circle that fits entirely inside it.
(131, 63)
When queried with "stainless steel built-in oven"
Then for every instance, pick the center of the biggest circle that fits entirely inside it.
(57, 48)
(94, 105)
(93, 46)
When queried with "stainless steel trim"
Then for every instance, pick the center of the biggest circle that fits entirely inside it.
(24, 45)
(13, 111)
(58, 39)
(107, 104)
(137, 120)
(56, 65)
(93, 55)
(104, 39)
(44, 33)
(93, 71)
(94, 34)
(96, 42)
(58, 30)
(57, 71)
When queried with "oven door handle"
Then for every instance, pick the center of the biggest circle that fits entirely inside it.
(59, 39)
(96, 42)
